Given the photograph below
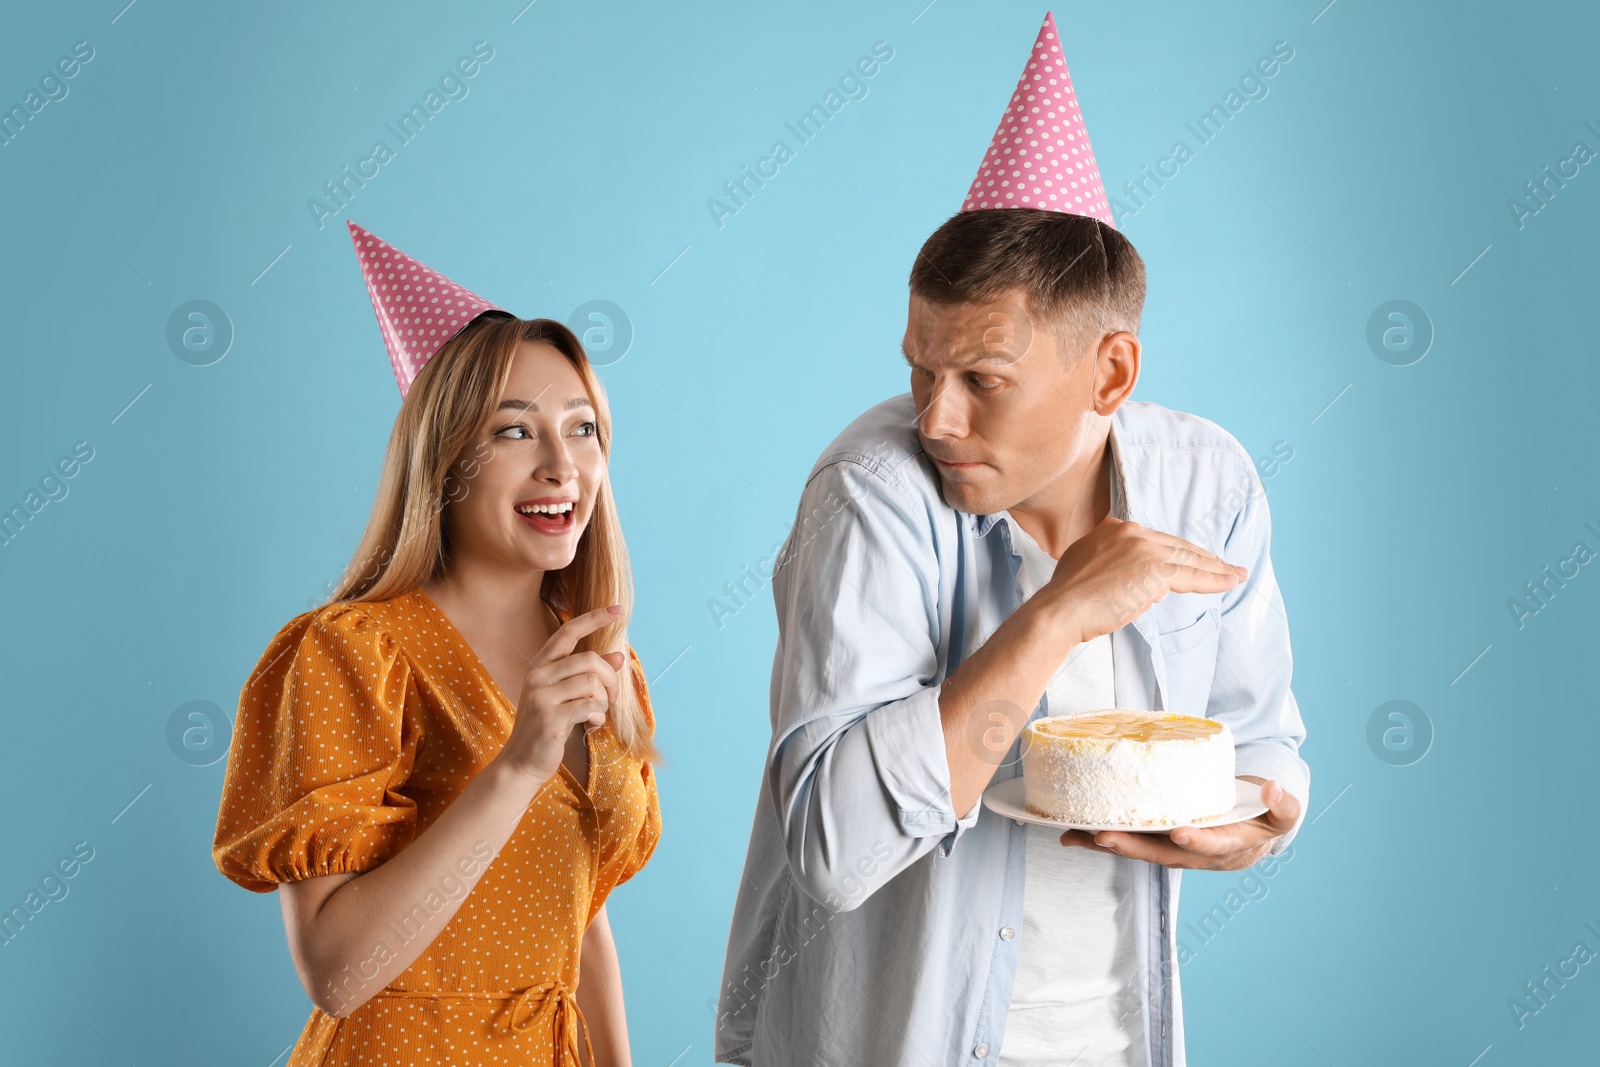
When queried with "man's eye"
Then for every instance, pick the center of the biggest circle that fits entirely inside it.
(985, 381)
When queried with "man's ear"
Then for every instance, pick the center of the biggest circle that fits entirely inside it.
(1116, 371)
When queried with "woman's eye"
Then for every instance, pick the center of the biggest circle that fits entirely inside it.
(516, 431)
(587, 429)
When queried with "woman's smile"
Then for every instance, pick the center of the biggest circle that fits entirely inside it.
(549, 515)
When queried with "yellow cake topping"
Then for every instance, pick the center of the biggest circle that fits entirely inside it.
(1132, 725)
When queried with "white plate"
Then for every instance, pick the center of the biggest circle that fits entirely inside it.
(1006, 798)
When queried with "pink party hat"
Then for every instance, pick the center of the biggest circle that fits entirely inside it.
(418, 309)
(1040, 156)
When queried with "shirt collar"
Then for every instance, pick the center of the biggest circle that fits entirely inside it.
(1123, 505)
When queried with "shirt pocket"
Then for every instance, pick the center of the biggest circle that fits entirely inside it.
(1190, 656)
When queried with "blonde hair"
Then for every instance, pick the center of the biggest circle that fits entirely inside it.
(406, 542)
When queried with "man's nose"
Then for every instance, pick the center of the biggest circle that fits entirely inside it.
(941, 415)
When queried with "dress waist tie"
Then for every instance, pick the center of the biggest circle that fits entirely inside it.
(549, 1003)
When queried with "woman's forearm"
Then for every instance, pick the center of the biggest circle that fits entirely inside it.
(351, 936)
(600, 995)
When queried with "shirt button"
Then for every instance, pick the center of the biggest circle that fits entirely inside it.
(1006, 933)
(981, 1052)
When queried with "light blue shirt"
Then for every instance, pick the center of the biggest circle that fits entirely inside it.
(873, 925)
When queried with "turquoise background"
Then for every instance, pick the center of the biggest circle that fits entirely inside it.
(1418, 501)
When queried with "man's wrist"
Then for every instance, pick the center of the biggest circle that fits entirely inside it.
(1054, 619)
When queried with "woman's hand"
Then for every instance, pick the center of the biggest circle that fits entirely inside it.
(562, 689)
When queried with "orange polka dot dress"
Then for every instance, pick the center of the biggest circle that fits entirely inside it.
(357, 728)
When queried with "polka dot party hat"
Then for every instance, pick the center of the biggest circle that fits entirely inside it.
(1040, 156)
(418, 309)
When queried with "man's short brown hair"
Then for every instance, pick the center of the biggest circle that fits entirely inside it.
(1078, 275)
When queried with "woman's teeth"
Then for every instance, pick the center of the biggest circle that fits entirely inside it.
(545, 509)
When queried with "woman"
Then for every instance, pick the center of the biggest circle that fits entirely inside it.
(447, 769)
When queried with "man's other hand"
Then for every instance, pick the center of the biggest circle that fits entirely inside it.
(1217, 848)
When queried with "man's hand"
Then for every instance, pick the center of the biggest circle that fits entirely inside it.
(1218, 848)
(1115, 572)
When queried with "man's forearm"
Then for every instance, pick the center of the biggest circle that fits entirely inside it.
(986, 702)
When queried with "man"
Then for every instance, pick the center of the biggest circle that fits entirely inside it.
(1014, 538)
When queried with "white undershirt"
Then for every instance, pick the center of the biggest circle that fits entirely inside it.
(1076, 996)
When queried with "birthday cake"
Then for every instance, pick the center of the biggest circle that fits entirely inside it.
(1128, 768)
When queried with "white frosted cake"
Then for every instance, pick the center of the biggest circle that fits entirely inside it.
(1128, 768)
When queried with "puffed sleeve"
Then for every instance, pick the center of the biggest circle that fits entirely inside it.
(650, 831)
(321, 747)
